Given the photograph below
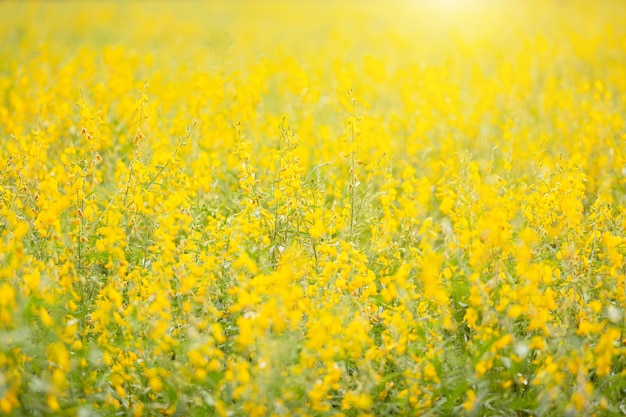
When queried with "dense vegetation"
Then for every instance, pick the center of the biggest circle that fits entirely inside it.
(313, 209)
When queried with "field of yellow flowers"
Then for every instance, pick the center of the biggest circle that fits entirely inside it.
(313, 209)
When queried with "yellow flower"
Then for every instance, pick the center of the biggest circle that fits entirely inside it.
(470, 402)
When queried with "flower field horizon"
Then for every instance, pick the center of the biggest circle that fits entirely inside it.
(313, 208)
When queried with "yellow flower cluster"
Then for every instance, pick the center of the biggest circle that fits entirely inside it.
(313, 208)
